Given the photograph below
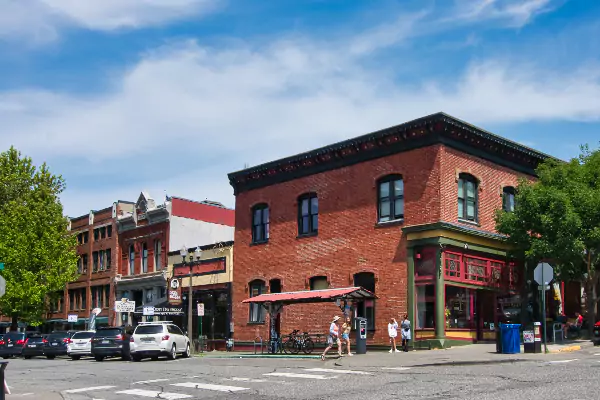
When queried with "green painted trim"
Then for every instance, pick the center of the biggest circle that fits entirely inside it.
(423, 242)
(472, 246)
(410, 261)
(448, 226)
(468, 286)
(440, 288)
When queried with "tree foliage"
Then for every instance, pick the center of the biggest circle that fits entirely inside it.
(557, 218)
(36, 247)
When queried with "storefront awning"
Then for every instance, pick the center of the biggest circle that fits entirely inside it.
(313, 296)
(161, 309)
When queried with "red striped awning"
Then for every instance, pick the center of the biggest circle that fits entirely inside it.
(313, 296)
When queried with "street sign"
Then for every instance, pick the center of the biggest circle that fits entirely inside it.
(148, 310)
(543, 273)
(125, 306)
(201, 309)
(72, 318)
(2, 286)
(544, 287)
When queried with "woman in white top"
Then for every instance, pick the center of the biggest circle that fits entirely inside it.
(393, 333)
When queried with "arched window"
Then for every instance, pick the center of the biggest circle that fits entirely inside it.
(131, 260)
(366, 308)
(256, 315)
(260, 223)
(467, 197)
(318, 283)
(308, 214)
(508, 199)
(390, 198)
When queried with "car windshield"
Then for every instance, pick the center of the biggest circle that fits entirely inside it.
(58, 336)
(148, 329)
(83, 335)
(109, 332)
(35, 339)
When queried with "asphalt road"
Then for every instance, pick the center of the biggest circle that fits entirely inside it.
(572, 376)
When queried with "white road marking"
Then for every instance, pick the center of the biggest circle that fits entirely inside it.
(88, 389)
(303, 376)
(155, 394)
(562, 361)
(338, 371)
(150, 381)
(396, 368)
(208, 386)
(246, 380)
(597, 354)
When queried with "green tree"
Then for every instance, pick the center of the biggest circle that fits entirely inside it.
(36, 247)
(557, 218)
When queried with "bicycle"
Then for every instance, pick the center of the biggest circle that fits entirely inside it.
(295, 343)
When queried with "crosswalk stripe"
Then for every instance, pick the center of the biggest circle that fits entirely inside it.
(562, 361)
(303, 376)
(88, 389)
(338, 371)
(208, 386)
(396, 368)
(155, 394)
(150, 381)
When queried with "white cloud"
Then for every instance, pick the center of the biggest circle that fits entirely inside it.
(515, 12)
(40, 20)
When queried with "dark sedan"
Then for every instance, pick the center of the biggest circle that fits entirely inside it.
(34, 346)
(56, 344)
(111, 342)
(12, 344)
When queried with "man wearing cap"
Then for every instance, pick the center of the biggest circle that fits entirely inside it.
(334, 335)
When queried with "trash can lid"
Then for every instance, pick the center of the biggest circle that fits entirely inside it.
(511, 326)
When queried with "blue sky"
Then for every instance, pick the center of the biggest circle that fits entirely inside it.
(121, 96)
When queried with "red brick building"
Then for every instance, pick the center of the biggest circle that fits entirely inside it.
(406, 212)
(97, 247)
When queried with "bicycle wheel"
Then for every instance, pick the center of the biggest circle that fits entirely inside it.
(309, 346)
(296, 347)
(288, 346)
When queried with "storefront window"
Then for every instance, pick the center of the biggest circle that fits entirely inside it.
(460, 307)
(425, 307)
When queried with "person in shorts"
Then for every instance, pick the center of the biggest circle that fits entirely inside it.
(346, 329)
(393, 333)
(333, 337)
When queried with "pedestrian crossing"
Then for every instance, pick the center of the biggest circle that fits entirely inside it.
(194, 387)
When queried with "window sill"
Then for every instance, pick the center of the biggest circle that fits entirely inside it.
(385, 224)
(256, 323)
(259, 243)
(466, 221)
(306, 235)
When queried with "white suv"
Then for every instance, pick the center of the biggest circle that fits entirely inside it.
(154, 339)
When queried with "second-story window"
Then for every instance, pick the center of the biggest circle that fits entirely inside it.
(85, 263)
(144, 258)
(157, 255)
(95, 261)
(390, 197)
(109, 231)
(260, 223)
(101, 260)
(508, 199)
(308, 214)
(96, 234)
(131, 260)
(467, 197)
(107, 252)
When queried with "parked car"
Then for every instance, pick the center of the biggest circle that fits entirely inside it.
(111, 342)
(33, 346)
(80, 344)
(154, 339)
(12, 344)
(56, 343)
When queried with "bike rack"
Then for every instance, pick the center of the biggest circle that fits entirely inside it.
(258, 339)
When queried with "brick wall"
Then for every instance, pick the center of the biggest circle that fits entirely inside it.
(143, 234)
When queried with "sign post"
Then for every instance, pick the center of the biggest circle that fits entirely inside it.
(200, 315)
(543, 274)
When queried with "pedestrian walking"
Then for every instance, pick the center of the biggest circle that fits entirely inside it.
(346, 329)
(393, 333)
(406, 336)
(333, 337)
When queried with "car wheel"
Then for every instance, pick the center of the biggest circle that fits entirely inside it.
(154, 358)
(136, 358)
(27, 357)
(5, 357)
(187, 351)
(75, 358)
(99, 358)
(50, 357)
(173, 353)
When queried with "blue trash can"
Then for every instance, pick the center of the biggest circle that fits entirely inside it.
(511, 338)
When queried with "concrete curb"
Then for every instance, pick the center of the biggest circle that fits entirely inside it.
(568, 349)
(238, 356)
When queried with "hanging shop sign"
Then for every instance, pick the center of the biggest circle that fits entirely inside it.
(174, 291)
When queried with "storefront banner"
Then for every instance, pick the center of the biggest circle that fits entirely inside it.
(174, 291)
(173, 311)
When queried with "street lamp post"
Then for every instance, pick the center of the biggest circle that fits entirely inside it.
(184, 252)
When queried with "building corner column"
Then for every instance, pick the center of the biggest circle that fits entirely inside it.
(440, 309)
(410, 261)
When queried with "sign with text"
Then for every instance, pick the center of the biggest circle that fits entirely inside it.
(125, 306)
(167, 310)
(528, 337)
(72, 318)
(148, 310)
(201, 309)
(174, 291)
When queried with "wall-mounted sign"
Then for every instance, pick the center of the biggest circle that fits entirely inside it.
(163, 311)
(148, 310)
(200, 309)
(72, 318)
(174, 291)
(125, 306)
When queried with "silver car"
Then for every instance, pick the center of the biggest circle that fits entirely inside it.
(155, 339)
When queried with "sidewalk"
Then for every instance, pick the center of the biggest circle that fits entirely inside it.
(470, 354)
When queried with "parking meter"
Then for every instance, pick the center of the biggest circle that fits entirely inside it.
(361, 335)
